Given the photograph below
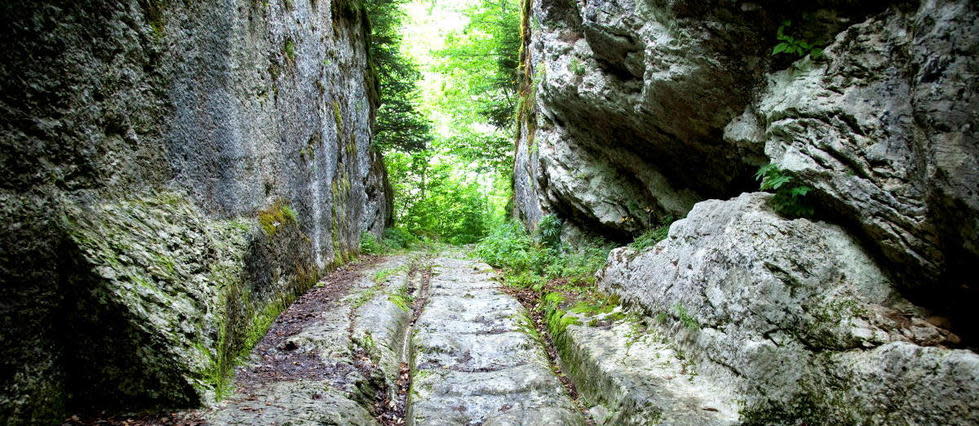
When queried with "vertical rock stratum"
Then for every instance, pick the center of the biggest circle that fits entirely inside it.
(638, 112)
(173, 174)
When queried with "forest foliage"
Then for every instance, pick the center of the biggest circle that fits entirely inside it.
(450, 183)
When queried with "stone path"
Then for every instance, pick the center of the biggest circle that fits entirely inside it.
(423, 340)
(472, 362)
(400, 341)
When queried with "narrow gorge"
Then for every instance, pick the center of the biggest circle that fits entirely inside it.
(492, 212)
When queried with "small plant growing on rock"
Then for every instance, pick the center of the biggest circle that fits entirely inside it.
(685, 318)
(790, 197)
(652, 236)
(793, 46)
(289, 48)
(576, 67)
(402, 299)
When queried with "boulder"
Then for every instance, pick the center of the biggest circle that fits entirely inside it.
(884, 128)
(796, 318)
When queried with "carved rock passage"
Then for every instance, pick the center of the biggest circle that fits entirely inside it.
(338, 355)
(472, 363)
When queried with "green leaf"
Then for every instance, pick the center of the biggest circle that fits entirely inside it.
(779, 48)
(800, 191)
(765, 170)
(778, 181)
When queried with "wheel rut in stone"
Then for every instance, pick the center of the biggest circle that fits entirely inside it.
(471, 361)
(334, 356)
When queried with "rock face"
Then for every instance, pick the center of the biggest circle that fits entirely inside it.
(173, 173)
(636, 110)
(796, 319)
(885, 129)
(628, 104)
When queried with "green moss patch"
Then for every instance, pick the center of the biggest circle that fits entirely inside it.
(278, 215)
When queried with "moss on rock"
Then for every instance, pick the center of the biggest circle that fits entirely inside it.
(186, 295)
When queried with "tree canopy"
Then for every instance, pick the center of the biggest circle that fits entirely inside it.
(448, 145)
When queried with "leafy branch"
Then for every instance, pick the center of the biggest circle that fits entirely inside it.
(793, 46)
(790, 197)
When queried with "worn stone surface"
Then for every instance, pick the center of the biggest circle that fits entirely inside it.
(317, 365)
(296, 403)
(885, 129)
(630, 374)
(235, 109)
(794, 316)
(472, 363)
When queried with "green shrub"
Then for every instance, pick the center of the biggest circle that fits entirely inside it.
(578, 267)
(510, 247)
(398, 238)
(369, 244)
(391, 240)
(529, 264)
(790, 197)
(525, 279)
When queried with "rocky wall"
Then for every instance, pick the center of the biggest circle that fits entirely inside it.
(636, 110)
(795, 320)
(639, 112)
(173, 174)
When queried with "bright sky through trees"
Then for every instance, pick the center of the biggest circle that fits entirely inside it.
(427, 25)
(451, 176)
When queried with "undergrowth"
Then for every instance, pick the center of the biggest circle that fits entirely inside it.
(532, 260)
(652, 236)
(392, 240)
(561, 280)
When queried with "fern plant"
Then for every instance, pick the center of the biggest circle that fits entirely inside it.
(790, 196)
(549, 231)
(793, 46)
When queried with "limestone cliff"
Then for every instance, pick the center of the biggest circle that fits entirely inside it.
(636, 112)
(173, 173)
(638, 109)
